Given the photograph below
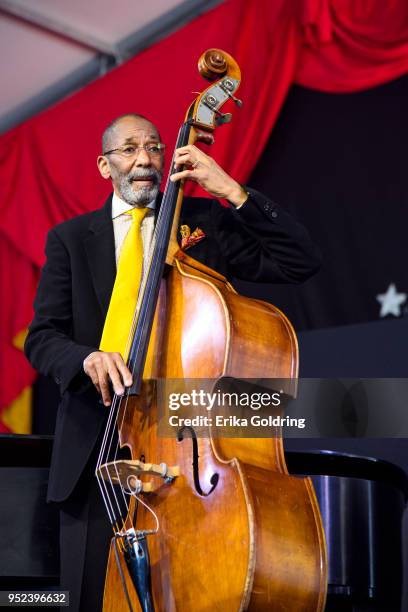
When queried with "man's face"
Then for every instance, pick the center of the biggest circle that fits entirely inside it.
(136, 179)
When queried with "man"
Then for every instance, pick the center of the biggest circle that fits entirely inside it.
(252, 240)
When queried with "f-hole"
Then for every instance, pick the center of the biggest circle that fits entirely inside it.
(196, 470)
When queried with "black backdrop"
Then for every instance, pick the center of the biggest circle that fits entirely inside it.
(340, 164)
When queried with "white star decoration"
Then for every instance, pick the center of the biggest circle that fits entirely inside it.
(391, 301)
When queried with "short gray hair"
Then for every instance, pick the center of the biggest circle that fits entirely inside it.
(108, 131)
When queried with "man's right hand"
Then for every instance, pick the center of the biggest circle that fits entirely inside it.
(103, 368)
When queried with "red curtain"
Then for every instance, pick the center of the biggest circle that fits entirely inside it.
(48, 163)
(351, 45)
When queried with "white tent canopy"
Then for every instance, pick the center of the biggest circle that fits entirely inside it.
(50, 48)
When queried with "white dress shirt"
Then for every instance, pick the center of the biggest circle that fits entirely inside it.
(122, 222)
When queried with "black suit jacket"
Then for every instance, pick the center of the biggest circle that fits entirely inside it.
(258, 242)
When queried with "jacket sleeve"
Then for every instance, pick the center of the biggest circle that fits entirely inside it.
(49, 346)
(263, 243)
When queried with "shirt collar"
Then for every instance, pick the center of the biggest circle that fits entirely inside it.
(119, 206)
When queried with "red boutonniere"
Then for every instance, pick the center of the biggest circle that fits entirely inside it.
(189, 238)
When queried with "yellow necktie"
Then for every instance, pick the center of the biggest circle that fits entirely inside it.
(122, 305)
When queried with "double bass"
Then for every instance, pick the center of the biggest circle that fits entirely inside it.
(204, 523)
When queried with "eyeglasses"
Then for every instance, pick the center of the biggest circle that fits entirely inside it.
(153, 149)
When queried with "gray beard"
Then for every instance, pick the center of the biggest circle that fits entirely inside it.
(144, 194)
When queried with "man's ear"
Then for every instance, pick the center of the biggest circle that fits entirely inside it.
(103, 166)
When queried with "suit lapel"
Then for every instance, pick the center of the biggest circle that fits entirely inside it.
(100, 250)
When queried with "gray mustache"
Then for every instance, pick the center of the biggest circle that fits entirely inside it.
(144, 173)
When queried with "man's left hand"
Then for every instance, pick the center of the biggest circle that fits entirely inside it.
(202, 169)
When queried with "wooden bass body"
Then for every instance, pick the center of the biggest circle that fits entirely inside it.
(254, 541)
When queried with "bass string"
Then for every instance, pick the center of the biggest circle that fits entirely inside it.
(124, 410)
(128, 343)
(107, 446)
(109, 456)
(109, 435)
(147, 289)
(159, 235)
(110, 497)
(162, 227)
(125, 407)
(109, 500)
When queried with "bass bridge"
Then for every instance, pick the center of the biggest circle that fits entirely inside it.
(126, 472)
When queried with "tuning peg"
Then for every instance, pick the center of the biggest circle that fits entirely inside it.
(228, 86)
(237, 101)
(222, 118)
